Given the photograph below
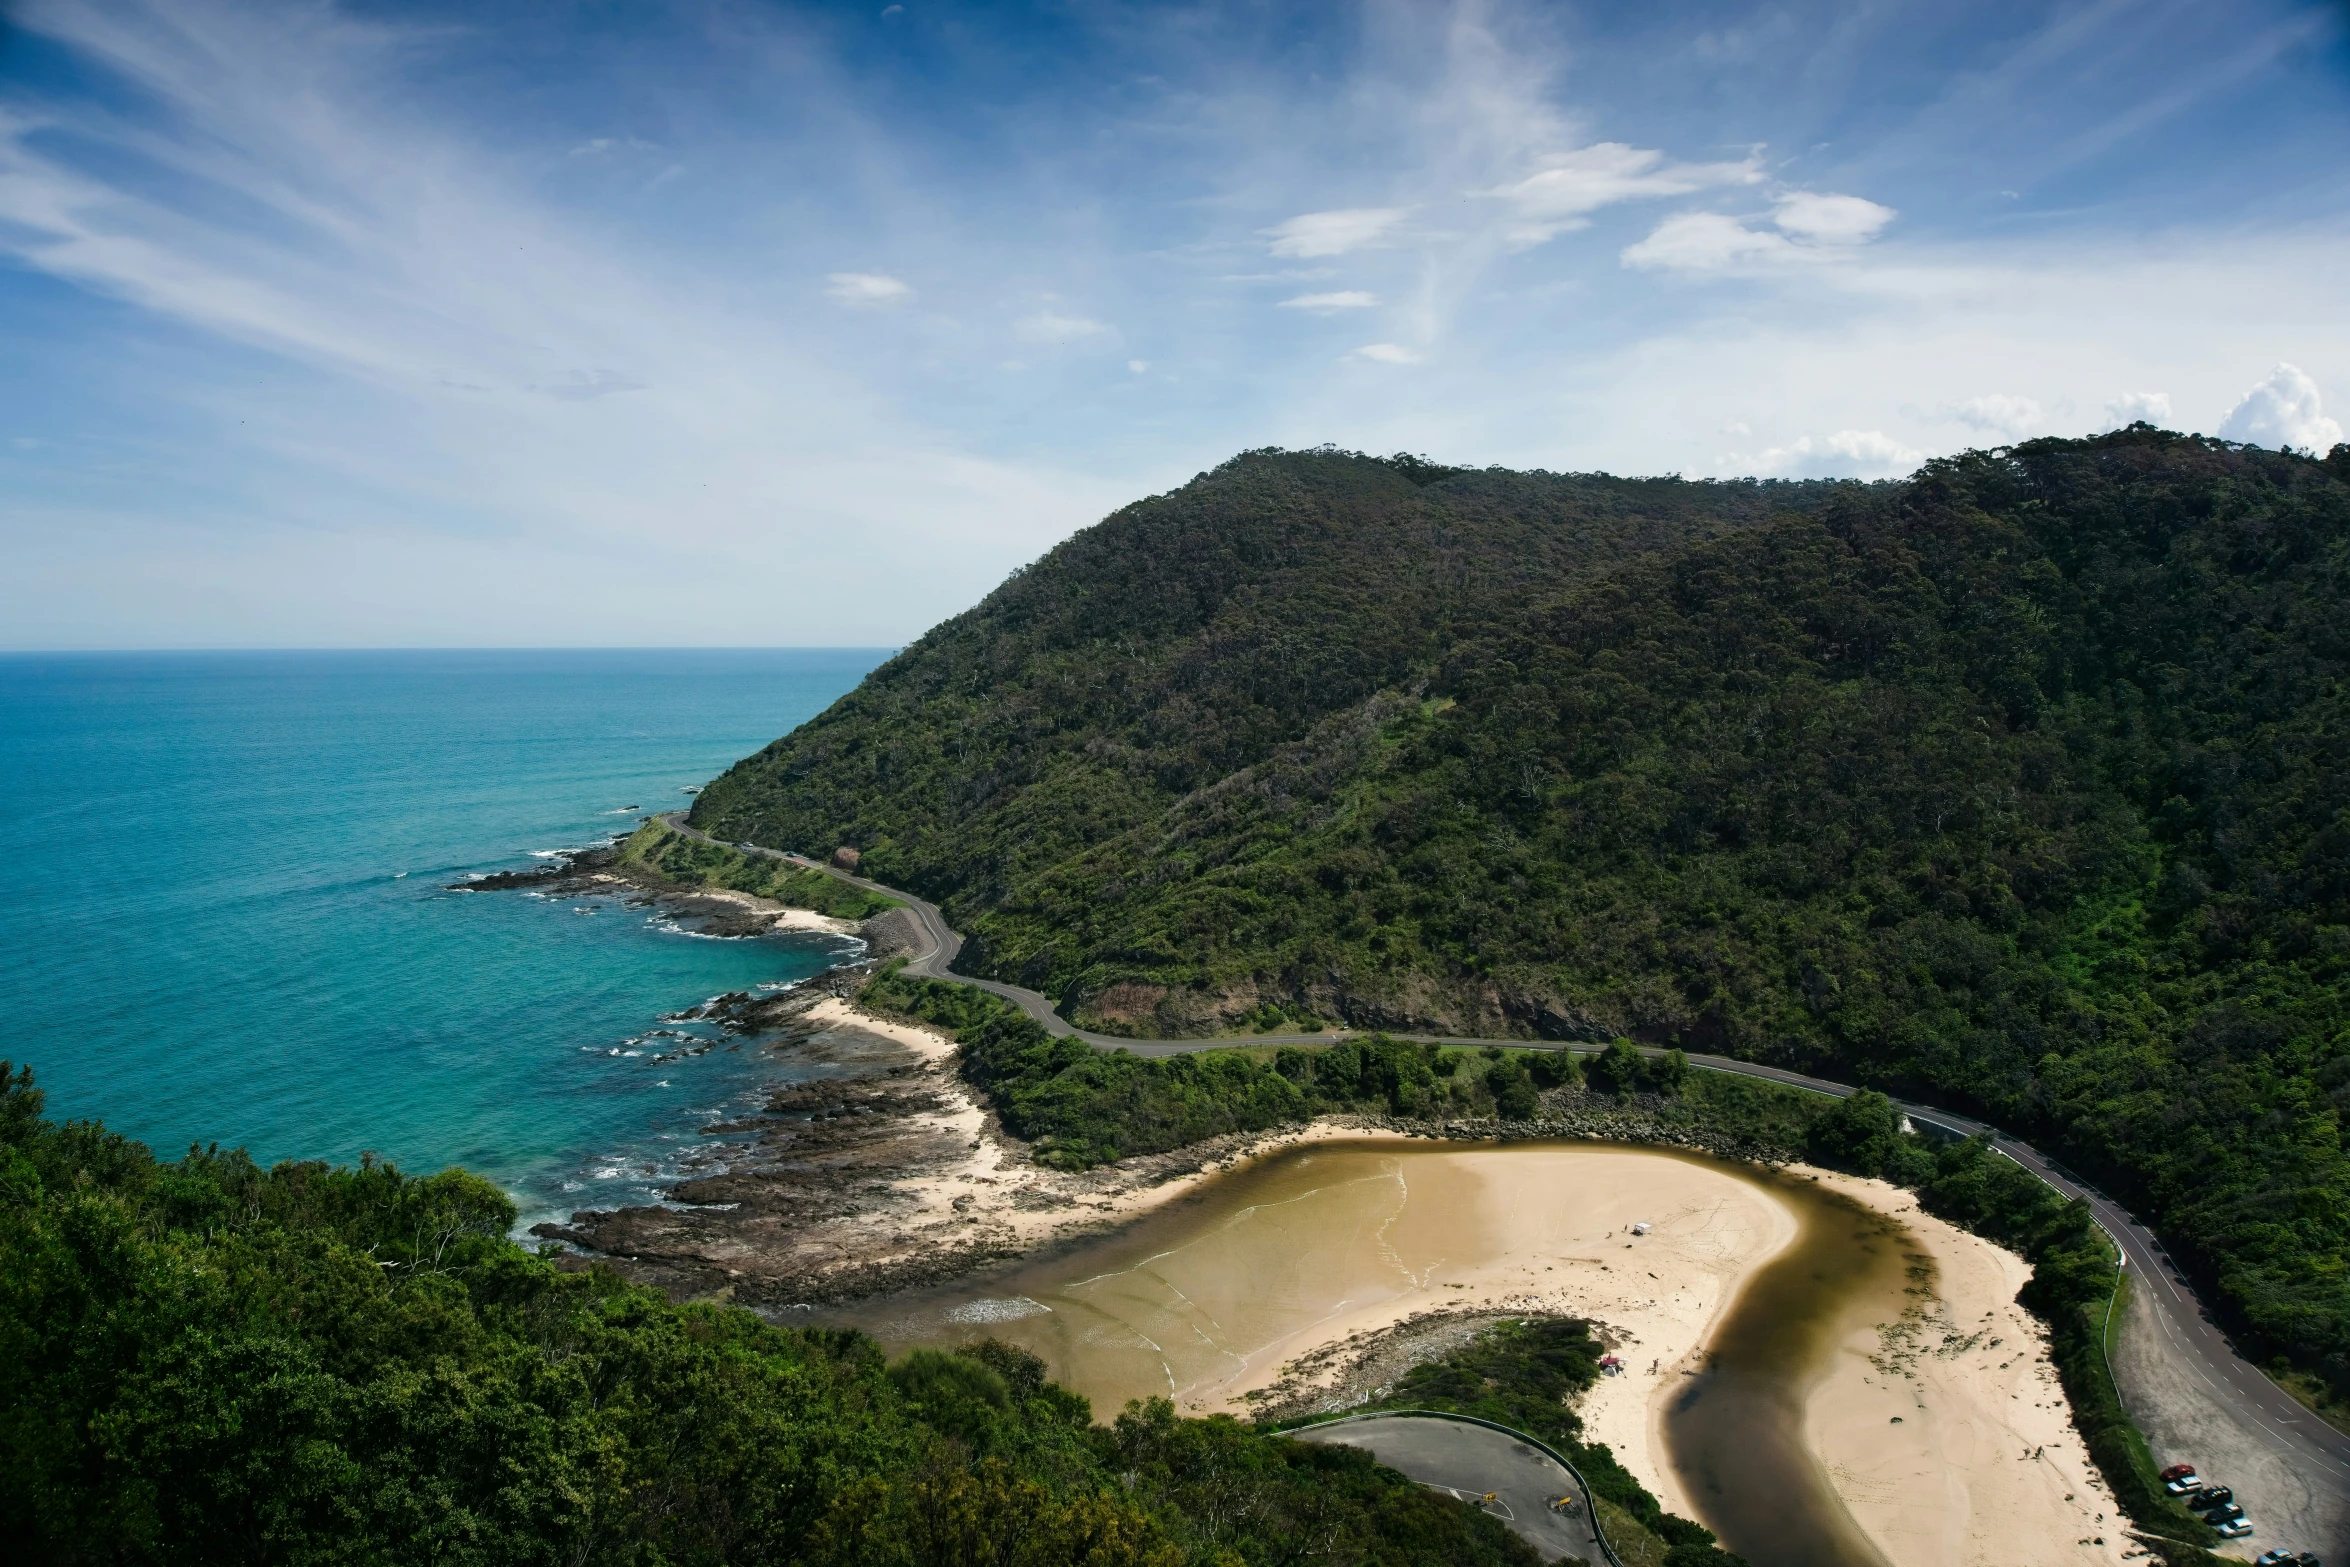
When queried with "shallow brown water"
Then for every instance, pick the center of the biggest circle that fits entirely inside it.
(1735, 1436)
(1190, 1300)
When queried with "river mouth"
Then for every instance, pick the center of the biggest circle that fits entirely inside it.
(1735, 1434)
(1204, 1299)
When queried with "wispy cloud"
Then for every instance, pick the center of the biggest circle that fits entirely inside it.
(1330, 304)
(379, 316)
(584, 384)
(1568, 187)
(1831, 220)
(1847, 454)
(1050, 326)
(1334, 233)
(1812, 228)
(865, 288)
(2001, 413)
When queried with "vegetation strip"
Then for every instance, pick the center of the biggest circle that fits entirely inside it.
(214, 1363)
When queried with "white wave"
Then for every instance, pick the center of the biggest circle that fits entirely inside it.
(399, 875)
(997, 1310)
(672, 928)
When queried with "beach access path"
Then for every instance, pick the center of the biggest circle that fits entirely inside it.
(2184, 1385)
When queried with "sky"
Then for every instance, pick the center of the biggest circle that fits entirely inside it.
(721, 323)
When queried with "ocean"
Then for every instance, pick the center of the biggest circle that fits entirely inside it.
(226, 917)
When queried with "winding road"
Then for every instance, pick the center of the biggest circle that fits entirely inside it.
(2195, 1398)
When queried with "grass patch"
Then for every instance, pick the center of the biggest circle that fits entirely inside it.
(689, 862)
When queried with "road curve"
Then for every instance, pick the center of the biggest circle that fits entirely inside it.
(1472, 1460)
(2181, 1330)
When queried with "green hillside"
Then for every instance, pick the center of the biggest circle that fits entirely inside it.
(208, 1362)
(2024, 785)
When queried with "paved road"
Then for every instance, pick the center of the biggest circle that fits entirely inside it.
(2194, 1397)
(1470, 1461)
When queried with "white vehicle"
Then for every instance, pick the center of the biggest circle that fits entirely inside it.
(2235, 1528)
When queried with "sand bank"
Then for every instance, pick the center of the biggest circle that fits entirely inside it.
(1983, 1466)
(1266, 1278)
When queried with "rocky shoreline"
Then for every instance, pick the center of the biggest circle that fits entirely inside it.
(874, 1170)
(877, 1169)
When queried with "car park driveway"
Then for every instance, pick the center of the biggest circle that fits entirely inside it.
(1471, 1460)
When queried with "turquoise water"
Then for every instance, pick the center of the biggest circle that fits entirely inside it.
(225, 919)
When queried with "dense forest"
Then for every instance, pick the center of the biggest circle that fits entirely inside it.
(2023, 785)
(208, 1362)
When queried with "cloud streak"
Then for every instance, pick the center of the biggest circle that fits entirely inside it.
(374, 320)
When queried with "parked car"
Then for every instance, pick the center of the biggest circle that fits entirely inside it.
(2216, 1516)
(2182, 1485)
(2277, 1558)
(2234, 1528)
(2211, 1496)
(2178, 1471)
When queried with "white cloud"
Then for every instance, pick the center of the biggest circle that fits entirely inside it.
(865, 288)
(1386, 354)
(1048, 326)
(1848, 454)
(1831, 220)
(1814, 226)
(2282, 411)
(428, 354)
(2132, 407)
(1138, 366)
(1569, 186)
(1703, 242)
(1326, 304)
(1334, 233)
(2000, 414)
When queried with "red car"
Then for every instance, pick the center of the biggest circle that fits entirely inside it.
(2176, 1470)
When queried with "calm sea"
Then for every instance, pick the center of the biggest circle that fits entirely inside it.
(225, 920)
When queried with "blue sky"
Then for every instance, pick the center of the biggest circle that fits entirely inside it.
(741, 323)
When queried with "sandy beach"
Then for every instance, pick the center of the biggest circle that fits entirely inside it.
(1937, 1420)
(1982, 1468)
(1985, 1466)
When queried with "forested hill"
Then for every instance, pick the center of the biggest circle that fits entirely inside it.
(2024, 785)
(1181, 640)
